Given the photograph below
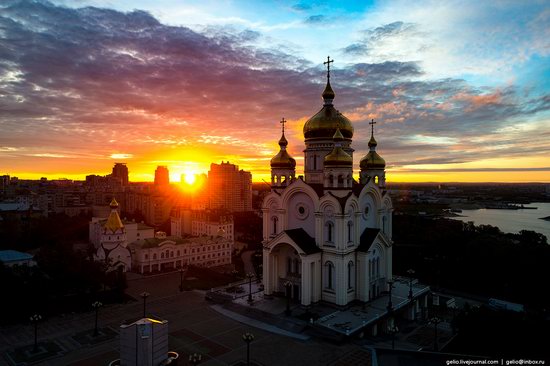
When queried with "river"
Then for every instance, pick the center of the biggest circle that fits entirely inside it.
(512, 221)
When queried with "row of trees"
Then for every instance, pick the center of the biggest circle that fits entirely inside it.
(474, 259)
(63, 280)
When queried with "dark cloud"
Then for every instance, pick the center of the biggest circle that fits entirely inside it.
(78, 78)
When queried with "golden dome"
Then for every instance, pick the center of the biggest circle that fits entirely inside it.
(324, 123)
(113, 222)
(283, 159)
(372, 160)
(338, 157)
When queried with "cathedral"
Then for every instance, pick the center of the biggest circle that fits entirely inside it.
(327, 236)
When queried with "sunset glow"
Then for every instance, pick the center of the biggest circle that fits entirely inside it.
(186, 84)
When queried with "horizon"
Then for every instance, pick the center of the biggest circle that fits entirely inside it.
(91, 83)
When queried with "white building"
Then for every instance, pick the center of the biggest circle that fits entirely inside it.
(163, 253)
(113, 242)
(327, 236)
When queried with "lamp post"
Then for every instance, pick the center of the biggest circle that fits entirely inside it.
(96, 305)
(410, 272)
(144, 295)
(390, 305)
(35, 319)
(435, 321)
(248, 338)
(181, 271)
(393, 331)
(195, 359)
(249, 276)
(288, 289)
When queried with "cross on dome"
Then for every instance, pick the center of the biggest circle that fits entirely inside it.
(372, 123)
(327, 62)
(283, 121)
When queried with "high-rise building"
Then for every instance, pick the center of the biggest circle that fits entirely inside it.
(162, 177)
(229, 188)
(120, 170)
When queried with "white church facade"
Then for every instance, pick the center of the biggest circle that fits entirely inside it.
(326, 236)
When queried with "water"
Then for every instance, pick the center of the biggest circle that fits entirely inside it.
(512, 221)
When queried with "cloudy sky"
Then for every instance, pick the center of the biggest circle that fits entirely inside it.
(460, 89)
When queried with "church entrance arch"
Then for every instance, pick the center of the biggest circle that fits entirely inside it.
(287, 270)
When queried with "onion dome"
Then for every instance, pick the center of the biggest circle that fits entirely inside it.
(324, 123)
(283, 159)
(338, 157)
(372, 160)
(113, 221)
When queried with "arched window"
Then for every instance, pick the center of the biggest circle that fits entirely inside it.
(375, 179)
(178, 253)
(288, 265)
(146, 256)
(384, 224)
(329, 269)
(350, 231)
(275, 219)
(340, 181)
(350, 275)
(155, 256)
(314, 162)
(162, 255)
(329, 231)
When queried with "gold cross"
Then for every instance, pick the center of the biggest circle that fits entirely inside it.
(327, 62)
(283, 121)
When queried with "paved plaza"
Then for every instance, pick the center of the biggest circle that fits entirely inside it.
(193, 327)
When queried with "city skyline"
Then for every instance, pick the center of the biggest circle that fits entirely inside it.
(186, 86)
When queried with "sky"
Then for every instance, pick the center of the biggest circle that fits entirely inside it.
(460, 90)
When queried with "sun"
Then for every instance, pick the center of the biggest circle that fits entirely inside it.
(189, 178)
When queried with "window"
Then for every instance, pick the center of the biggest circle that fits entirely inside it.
(178, 253)
(146, 256)
(329, 268)
(275, 225)
(329, 231)
(162, 255)
(350, 275)
(350, 231)
(155, 256)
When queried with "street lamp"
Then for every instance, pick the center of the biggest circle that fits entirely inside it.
(248, 338)
(182, 271)
(144, 295)
(96, 305)
(393, 330)
(288, 288)
(195, 359)
(35, 319)
(390, 305)
(250, 276)
(410, 272)
(435, 321)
